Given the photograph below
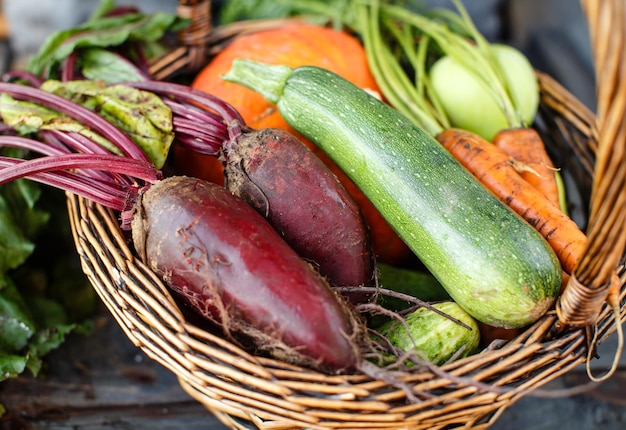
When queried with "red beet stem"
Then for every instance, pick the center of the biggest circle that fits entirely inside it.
(112, 195)
(31, 145)
(110, 163)
(56, 145)
(182, 92)
(23, 75)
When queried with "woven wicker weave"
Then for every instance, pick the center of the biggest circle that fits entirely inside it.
(245, 391)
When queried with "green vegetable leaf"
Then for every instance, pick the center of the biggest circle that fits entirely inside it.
(103, 8)
(19, 222)
(42, 295)
(140, 114)
(16, 323)
(104, 31)
(101, 64)
(22, 197)
(14, 247)
(11, 365)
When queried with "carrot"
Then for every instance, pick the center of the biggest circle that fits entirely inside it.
(530, 158)
(491, 166)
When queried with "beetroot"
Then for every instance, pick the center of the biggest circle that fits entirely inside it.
(211, 248)
(283, 180)
(230, 265)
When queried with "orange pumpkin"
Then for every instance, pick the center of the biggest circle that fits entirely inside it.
(294, 45)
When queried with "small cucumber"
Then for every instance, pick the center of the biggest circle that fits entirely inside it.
(491, 262)
(435, 337)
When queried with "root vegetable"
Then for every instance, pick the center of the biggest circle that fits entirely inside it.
(287, 183)
(210, 247)
(275, 173)
(230, 265)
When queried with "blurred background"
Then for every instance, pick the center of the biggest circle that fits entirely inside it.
(102, 381)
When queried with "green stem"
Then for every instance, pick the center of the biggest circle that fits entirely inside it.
(267, 81)
(476, 57)
(390, 77)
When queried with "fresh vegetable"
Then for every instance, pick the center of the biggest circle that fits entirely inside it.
(142, 115)
(280, 177)
(415, 283)
(471, 105)
(432, 336)
(292, 44)
(491, 262)
(43, 295)
(231, 266)
(211, 248)
(492, 167)
(137, 34)
(530, 158)
(286, 183)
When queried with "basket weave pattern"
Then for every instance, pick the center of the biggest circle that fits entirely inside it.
(247, 391)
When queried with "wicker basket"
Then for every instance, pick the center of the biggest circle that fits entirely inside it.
(246, 391)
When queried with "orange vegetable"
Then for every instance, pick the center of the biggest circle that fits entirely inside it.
(491, 166)
(294, 45)
(530, 158)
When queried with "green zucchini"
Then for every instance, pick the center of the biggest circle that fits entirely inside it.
(435, 337)
(491, 262)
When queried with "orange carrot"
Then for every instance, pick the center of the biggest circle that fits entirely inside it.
(530, 158)
(491, 166)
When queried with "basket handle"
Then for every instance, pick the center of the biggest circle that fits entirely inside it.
(595, 274)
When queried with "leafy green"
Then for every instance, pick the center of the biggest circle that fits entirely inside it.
(318, 11)
(103, 31)
(104, 65)
(140, 114)
(16, 323)
(254, 9)
(37, 280)
(27, 117)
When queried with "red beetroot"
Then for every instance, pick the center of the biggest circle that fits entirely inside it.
(230, 265)
(283, 180)
(209, 246)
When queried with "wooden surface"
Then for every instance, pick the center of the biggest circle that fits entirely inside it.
(102, 382)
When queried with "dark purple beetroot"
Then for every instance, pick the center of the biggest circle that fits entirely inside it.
(294, 190)
(232, 267)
